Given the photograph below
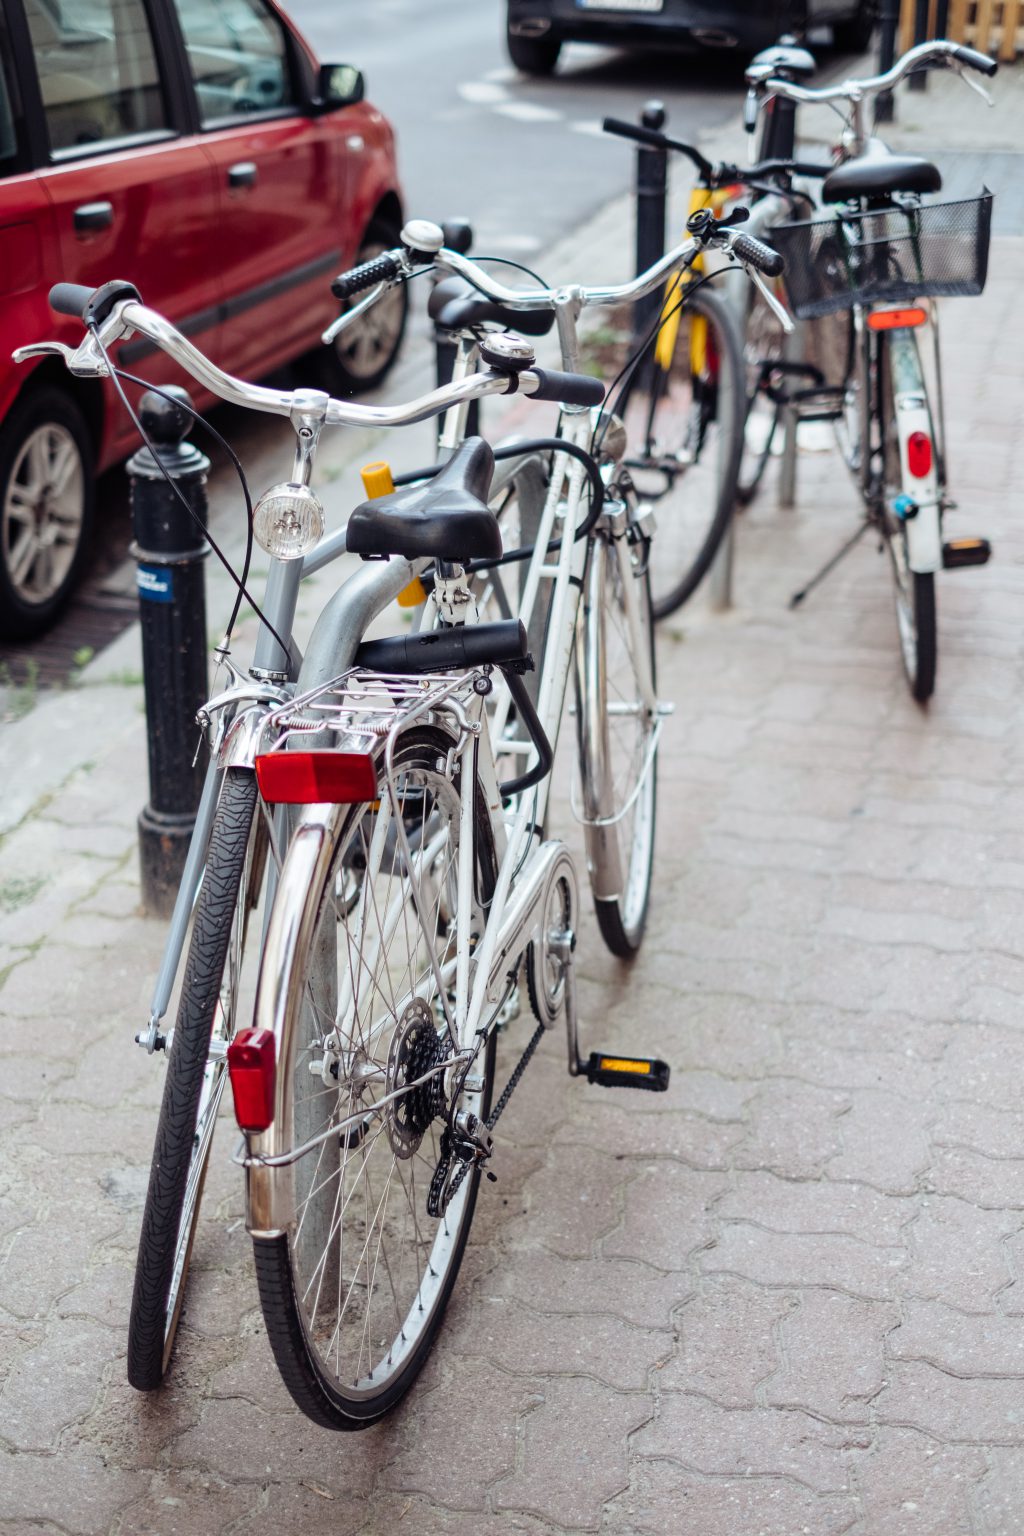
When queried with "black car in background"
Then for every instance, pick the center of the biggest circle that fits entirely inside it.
(538, 28)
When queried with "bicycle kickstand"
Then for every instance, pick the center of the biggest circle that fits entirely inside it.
(830, 565)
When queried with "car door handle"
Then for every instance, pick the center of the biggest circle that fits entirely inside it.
(244, 174)
(90, 217)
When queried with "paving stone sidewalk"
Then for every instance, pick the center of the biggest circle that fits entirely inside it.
(785, 1298)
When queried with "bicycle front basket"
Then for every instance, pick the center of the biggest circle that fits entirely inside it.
(914, 251)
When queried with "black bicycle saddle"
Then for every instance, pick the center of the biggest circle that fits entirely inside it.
(446, 519)
(879, 176)
(455, 306)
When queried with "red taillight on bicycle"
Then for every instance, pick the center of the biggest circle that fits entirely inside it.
(309, 778)
(253, 1072)
(919, 454)
(896, 319)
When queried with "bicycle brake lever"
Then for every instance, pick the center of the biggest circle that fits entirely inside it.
(44, 349)
(975, 85)
(345, 320)
(777, 309)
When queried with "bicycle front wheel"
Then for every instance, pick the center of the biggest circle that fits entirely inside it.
(685, 438)
(353, 1292)
(209, 1010)
(616, 732)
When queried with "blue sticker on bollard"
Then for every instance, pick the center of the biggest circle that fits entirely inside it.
(155, 583)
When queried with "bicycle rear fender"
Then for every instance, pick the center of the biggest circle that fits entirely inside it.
(914, 421)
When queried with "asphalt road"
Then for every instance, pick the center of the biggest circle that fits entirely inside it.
(525, 160)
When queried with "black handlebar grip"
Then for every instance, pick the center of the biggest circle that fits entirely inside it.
(634, 131)
(70, 298)
(91, 305)
(756, 254)
(382, 269)
(567, 388)
(976, 60)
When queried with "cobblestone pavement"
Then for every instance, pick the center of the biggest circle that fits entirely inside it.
(784, 1298)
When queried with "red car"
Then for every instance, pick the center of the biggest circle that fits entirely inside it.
(198, 149)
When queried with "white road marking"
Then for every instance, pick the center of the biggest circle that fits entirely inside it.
(482, 93)
(591, 126)
(528, 112)
(501, 76)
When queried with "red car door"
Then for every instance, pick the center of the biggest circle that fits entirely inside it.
(134, 197)
(279, 178)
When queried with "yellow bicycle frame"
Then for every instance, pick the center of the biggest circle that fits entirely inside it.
(672, 309)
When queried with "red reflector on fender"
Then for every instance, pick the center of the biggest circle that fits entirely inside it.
(919, 454)
(253, 1071)
(896, 319)
(307, 778)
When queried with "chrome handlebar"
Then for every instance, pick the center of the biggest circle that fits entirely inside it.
(854, 90)
(130, 317)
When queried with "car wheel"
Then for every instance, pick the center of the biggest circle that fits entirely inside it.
(358, 359)
(855, 34)
(46, 506)
(533, 55)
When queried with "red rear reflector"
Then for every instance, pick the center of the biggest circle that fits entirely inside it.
(308, 778)
(896, 319)
(253, 1072)
(919, 454)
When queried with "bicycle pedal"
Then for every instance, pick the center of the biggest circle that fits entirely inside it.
(957, 552)
(627, 1072)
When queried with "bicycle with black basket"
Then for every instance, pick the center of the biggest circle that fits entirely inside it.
(863, 273)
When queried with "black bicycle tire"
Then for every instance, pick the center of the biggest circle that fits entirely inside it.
(295, 1360)
(149, 1344)
(719, 313)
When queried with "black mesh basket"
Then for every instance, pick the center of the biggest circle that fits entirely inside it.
(932, 250)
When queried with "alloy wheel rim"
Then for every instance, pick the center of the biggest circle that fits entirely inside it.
(43, 511)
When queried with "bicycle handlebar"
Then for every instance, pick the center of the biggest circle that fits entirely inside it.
(126, 315)
(938, 52)
(714, 176)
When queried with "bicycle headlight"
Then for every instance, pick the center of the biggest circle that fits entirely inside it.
(288, 521)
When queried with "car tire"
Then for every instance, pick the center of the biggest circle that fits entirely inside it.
(533, 55)
(855, 34)
(45, 523)
(358, 360)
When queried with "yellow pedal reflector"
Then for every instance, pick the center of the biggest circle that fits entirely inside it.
(377, 479)
(412, 595)
(626, 1072)
(623, 1064)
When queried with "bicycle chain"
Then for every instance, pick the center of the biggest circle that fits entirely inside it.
(438, 1198)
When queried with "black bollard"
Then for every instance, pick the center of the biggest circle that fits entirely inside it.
(888, 22)
(919, 81)
(170, 547)
(651, 198)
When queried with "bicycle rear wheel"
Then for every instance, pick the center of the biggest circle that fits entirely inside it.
(913, 591)
(354, 1291)
(616, 738)
(685, 438)
(209, 1010)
